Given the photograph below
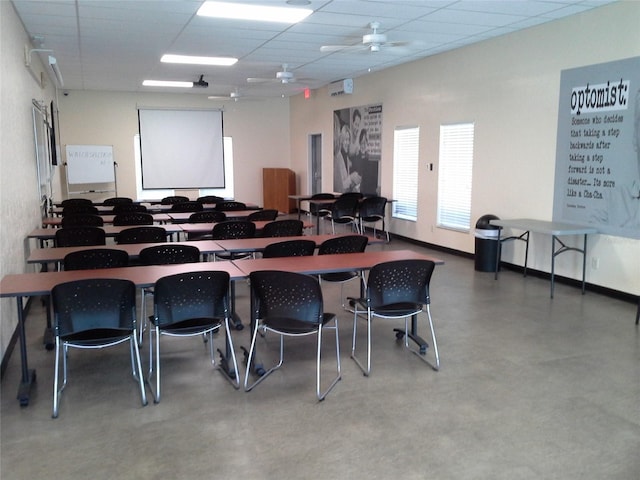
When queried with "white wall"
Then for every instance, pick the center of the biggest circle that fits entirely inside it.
(509, 88)
(19, 190)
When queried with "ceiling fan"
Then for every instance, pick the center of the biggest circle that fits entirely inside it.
(235, 95)
(373, 42)
(284, 76)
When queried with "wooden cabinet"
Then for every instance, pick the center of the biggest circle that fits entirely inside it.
(278, 184)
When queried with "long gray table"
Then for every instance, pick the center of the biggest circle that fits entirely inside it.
(555, 230)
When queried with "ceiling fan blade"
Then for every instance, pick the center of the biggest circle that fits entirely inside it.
(260, 80)
(342, 48)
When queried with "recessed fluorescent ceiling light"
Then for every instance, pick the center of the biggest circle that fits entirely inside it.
(240, 11)
(164, 83)
(192, 60)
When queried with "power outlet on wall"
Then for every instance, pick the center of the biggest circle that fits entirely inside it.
(595, 263)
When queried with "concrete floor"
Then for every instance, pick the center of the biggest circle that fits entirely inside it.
(529, 388)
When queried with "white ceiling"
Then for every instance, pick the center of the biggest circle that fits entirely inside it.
(115, 45)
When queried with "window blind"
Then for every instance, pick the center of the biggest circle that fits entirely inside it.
(405, 172)
(455, 176)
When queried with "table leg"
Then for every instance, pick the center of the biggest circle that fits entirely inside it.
(553, 261)
(28, 375)
(584, 262)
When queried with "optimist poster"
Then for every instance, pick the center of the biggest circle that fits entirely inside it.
(597, 178)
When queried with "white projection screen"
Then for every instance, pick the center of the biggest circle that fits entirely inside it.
(181, 149)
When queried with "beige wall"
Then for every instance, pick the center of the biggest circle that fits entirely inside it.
(259, 129)
(19, 191)
(509, 88)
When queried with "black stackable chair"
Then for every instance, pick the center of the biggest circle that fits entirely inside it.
(82, 220)
(167, 254)
(190, 304)
(133, 218)
(94, 314)
(172, 199)
(343, 211)
(229, 205)
(79, 236)
(128, 208)
(396, 290)
(342, 244)
(289, 305)
(282, 228)
(95, 258)
(144, 234)
(207, 216)
(289, 248)
(370, 212)
(186, 207)
(118, 201)
(209, 199)
(75, 201)
(82, 208)
(233, 229)
(267, 215)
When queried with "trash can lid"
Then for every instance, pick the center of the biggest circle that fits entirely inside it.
(483, 222)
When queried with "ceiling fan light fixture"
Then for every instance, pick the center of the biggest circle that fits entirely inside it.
(195, 60)
(240, 11)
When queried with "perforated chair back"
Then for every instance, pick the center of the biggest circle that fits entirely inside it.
(293, 301)
(230, 205)
(209, 216)
(320, 210)
(231, 229)
(290, 304)
(80, 208)
(118, 201)
(187, 207)
(172, 199)
(210, 199)
(129, 207)
(82, 220)
(371, 211)
(283, 228)
(142, 235)
(94, 308)
(397, 289)
(193, 303)
(133, 218)
(401, 285)
(191, 296)
(344, 211)
(343, 244)
(75, 201)
(94, 313)
(290, 248)
(268, 215)
(169, 254)
(79, 236)
(96, 258)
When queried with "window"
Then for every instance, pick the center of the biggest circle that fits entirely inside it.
(454, 178)
(405, 172)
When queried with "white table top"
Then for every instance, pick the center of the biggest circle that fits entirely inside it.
(546, 227)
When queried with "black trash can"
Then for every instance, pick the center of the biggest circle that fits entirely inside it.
(486, 244)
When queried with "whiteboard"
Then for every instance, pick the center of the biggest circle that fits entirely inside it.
(90, 164)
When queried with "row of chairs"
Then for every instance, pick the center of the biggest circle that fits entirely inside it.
(169, 200)
(189, 206)
(143, 218)
(144, 231)
(197, 303)
(352, 209)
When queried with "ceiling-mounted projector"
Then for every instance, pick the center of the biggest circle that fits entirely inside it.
(201, 82)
